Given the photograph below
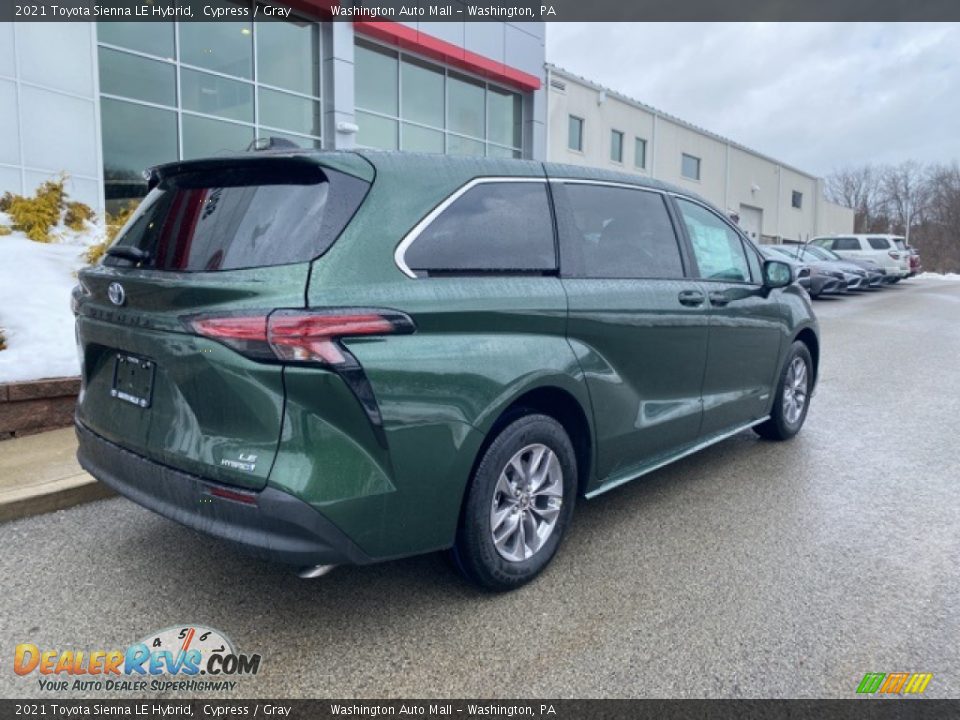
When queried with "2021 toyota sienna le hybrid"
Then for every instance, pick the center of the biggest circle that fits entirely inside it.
(346, 357)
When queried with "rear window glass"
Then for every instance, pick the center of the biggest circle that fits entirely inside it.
(240, 218)
(492, 227)
(879, 243)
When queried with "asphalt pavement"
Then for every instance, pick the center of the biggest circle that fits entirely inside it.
(753, 569)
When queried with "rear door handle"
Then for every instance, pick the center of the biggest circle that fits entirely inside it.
(719, 299)
(691, 298)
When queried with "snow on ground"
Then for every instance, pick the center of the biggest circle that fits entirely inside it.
(938, 276)
(35, 284)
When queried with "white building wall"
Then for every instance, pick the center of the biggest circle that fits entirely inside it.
(49, 114)
(732, 177)
(672, 142)
(799, 224)
(834, 219)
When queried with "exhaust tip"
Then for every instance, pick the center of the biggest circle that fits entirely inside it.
(316, 571)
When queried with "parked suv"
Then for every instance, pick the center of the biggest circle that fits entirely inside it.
(888, 251)
(340, 357)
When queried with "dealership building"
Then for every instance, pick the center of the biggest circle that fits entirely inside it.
(101, 101)
(592, 125)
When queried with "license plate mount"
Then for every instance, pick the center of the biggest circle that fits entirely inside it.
(133, 379)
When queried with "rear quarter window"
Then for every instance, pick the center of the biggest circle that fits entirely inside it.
(846, 243)
(492, 227)
(240, 218)
(879, 243)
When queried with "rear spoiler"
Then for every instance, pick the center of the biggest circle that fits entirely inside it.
(274, 168)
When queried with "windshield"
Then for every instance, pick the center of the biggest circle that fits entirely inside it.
(790, 251)
(819, 253)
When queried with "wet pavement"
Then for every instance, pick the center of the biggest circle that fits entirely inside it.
(753, 569)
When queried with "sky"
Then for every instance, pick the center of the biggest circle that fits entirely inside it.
(818, 96)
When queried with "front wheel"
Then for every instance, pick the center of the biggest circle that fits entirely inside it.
(793, 396)
(519, 504)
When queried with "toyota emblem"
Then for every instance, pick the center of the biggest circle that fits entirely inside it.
(116, 293)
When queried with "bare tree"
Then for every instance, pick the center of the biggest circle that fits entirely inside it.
(905, 192)
(938, 236)
(920, 202)
(856, 188)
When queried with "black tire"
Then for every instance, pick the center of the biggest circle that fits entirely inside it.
(779, 426)
(475, 554)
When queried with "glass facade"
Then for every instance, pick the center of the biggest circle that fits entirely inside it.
(405, 103)
(183, 90)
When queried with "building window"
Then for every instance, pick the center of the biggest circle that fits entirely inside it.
(690, 166)
(797, 199)
(616, 146)
(575, 133)
(172, 91)
(405, 103)
(640, 153)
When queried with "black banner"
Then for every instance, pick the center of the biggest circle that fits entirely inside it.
(440, 709)
(481, 11)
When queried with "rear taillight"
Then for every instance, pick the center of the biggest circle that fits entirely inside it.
(299, 336)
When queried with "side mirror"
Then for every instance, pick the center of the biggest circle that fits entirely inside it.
(777, 274)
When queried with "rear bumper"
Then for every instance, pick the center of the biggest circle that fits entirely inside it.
(271, 524)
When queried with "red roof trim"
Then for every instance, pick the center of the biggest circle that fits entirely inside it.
(407, 38)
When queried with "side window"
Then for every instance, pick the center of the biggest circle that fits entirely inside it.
(716, 246)
(496, 226)
(615, 232)
(879, 243)
(846, 243)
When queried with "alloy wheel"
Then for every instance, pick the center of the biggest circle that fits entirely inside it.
(526, 502)
(795, 390)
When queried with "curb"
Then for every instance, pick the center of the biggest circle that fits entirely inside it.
(49, 497)
(40, 474)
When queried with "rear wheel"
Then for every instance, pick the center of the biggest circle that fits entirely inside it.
(793, 396)
(519, 504)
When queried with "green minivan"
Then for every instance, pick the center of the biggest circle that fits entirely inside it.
(348, 357)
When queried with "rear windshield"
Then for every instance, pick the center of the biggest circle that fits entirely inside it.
(239, 218)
